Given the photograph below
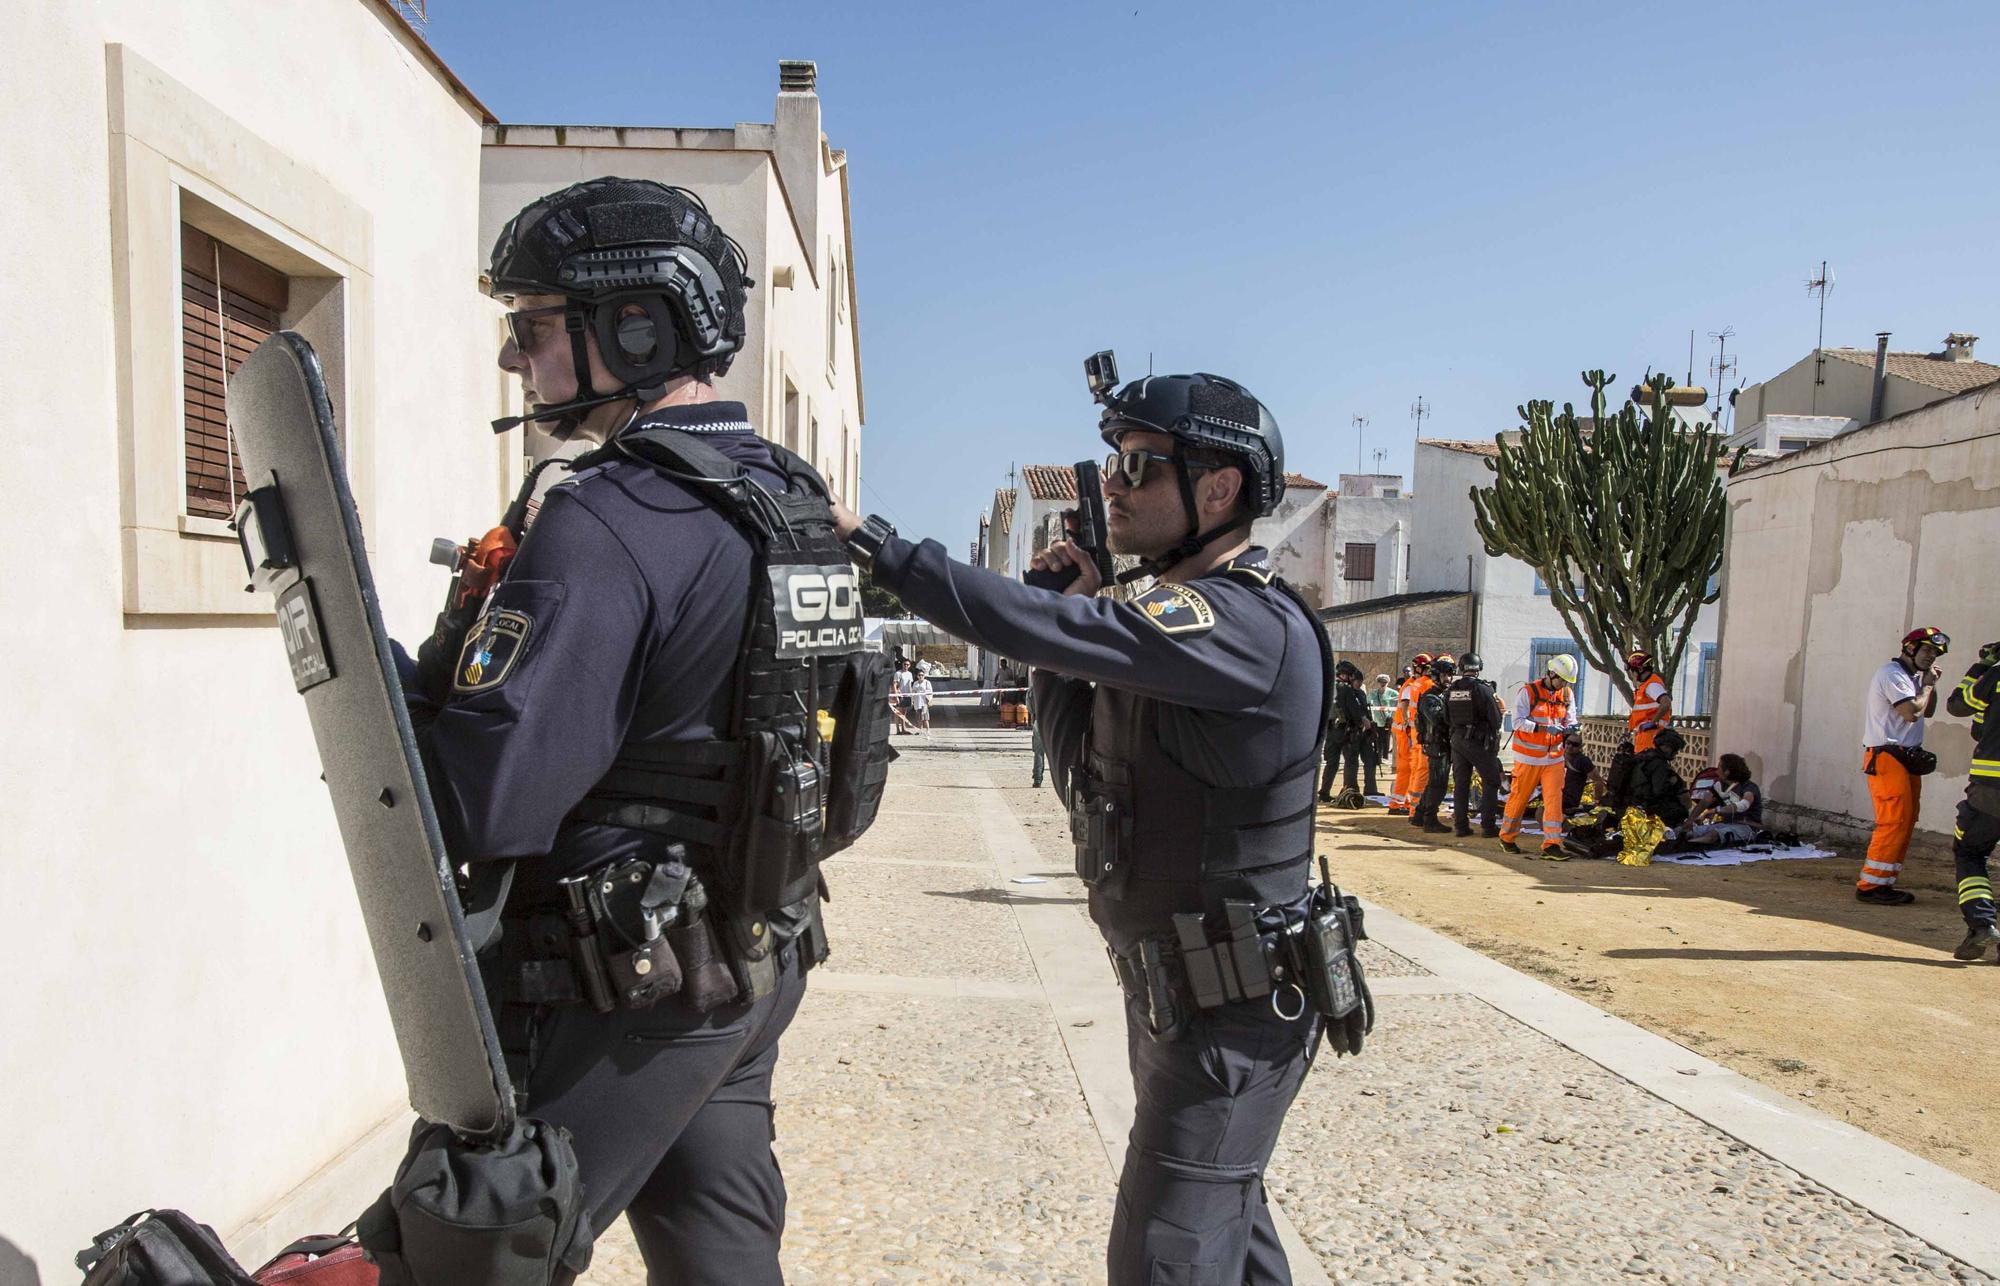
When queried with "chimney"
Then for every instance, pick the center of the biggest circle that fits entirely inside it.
(1881, 375)
(1958, 346)
(800, 168)
(797, 76)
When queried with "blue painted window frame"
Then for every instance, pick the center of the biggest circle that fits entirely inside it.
(1700, 702)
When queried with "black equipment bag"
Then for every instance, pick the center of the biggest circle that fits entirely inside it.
(1918, 761)
(461, 1213)
(160, 1248)
(858, 767)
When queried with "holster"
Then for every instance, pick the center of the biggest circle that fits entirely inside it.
(1150, 973)
(1100, 827)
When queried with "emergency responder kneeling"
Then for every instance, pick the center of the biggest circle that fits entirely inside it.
(1185, 729)
(1541, 715)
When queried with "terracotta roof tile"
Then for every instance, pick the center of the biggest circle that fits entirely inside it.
(1301, 481)
(1003, 505)
(1049, 481)
(1931, 370)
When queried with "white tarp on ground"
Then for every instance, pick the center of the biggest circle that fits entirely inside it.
(1747, 854)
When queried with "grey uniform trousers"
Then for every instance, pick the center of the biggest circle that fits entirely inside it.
(673, 1123)
(1191, 1205)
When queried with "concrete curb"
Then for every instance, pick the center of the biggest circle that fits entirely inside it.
(1954, 1214)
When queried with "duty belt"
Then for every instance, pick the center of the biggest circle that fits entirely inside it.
(1306, 963)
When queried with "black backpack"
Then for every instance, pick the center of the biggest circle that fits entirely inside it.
(160, 1248)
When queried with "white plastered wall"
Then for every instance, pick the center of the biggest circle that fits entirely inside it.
(1833, 554)
(195, 1018)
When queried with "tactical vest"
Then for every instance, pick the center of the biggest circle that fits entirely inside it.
(1462, 702)
(1152, 836)
(762, 804)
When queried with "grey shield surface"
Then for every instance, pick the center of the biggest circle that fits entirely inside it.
(307, 551)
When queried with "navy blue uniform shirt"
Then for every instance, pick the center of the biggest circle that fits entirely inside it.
(621, 618)
(1235, 662)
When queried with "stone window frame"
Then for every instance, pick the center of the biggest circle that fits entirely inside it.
(176, 158)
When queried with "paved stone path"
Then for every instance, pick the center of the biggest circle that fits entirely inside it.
(952, 1100)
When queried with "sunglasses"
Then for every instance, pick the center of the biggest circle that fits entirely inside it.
(1130, 466)
(520, 323)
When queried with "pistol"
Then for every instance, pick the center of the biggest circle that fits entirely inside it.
(1085, 525)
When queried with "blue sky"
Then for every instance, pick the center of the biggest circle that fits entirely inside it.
(1343, 206)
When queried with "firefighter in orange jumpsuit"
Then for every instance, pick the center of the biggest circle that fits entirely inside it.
(1412, 771)
(1542, 713)
(1651, 710)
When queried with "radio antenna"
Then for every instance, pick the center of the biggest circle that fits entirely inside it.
(1360, 427)
(1819, 286)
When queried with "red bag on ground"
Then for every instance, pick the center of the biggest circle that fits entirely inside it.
(319, 1261)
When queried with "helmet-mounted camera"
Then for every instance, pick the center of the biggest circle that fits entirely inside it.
(1100, 371)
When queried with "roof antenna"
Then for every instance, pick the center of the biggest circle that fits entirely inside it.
(1149, 363)
(1819, 285)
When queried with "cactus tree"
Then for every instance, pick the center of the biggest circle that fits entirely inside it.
(1621, 516)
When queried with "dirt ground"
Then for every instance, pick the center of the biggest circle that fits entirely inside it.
(1772, 969)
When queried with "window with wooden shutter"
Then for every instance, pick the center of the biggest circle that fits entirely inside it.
(229, 304)
(1359, 563)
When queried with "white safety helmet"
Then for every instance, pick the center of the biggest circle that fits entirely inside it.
(1562, 666)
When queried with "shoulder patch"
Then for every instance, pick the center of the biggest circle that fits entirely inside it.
(1176, 609)
(492, 650)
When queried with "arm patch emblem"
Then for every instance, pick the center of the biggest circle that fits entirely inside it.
(492, 651)
(1176, 609)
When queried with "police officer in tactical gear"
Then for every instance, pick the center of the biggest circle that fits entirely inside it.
(1184, 728)
(1472, 713)
(1434, 743)
(624, 743)
(1350, 738)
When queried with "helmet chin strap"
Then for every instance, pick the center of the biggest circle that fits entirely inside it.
(1196, 539)
(568, 416)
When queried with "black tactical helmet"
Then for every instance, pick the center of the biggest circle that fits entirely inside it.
(1443, 667)
(1670, 740)
(1347, 670)
(613, 246)
(1210, 415)
(1469, 663)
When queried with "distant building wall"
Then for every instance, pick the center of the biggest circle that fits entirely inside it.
(1833, 555)
(1295, 535)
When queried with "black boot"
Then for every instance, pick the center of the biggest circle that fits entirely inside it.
(1979, 939)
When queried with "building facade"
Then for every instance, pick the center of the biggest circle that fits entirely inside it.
(1834, 553)
(178, 905)
(1832, 391)
(781, 190)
